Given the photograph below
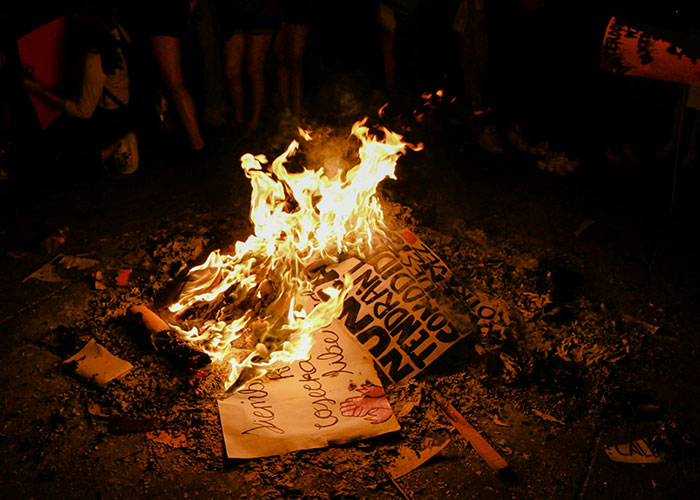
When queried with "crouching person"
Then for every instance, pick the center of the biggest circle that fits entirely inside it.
(100, 130)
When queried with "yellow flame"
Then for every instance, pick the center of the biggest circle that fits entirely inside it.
(247, 309)
(305, 134)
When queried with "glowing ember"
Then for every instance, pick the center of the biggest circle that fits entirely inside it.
(248, 309)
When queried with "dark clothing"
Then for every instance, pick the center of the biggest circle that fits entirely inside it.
(250, 17)
(167, 17)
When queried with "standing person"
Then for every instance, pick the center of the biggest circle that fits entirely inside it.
(167, 25)
(289, 52)
(248, 27)
(103, 131)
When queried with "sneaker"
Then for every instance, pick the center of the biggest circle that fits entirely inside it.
(126, 156)
(558, 163)
(490, 141)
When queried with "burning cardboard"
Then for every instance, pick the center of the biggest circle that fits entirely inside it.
(248, 310)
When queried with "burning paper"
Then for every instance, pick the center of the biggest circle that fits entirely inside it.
(249, 309)
(333, 396)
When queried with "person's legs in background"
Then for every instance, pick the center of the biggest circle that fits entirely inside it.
(167, 52)
(256, 52)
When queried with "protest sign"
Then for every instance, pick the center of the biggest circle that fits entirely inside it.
(631, 51)
(332, 397)
(402, 304)
(42, 52)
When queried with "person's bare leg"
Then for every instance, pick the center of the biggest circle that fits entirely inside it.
(280, 48)
(233, 64)
(298, 34)
(168, 55)
(257, 51)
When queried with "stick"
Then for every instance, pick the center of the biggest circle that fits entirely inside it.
(483, 448)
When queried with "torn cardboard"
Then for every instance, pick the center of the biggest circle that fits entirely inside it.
(410, 459)
(96, 364)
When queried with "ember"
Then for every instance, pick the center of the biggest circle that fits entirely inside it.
(247, 309)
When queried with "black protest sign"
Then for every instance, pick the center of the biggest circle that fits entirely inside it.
(406, 308)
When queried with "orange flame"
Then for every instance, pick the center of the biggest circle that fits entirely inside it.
(301, 221)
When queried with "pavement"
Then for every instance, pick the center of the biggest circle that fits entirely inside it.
(636, 258)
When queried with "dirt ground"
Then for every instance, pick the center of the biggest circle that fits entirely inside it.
(581, 367)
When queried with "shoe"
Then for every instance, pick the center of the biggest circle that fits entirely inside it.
(490, 141)
(558, 163)
(126, 156)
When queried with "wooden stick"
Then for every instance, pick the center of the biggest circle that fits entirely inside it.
(483, 448)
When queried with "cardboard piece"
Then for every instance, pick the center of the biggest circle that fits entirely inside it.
(409, 459)
(42, 52)
(96, 364)
(400, 306)
(332, 397)
(635, 452)
(630, 51)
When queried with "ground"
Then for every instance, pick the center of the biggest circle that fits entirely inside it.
(581, 366)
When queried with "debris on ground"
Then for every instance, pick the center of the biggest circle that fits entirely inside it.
(96, 364)
(634, 452)
(409, 459)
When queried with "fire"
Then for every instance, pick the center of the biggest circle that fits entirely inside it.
(302, 221)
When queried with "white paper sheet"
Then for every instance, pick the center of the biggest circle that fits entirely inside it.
(333, 397)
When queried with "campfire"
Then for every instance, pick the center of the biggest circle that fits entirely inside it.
(248, 309)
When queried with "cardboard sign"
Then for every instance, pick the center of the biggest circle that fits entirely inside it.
(630, 51)
(332, 397)
(42, 53)
(400, 306)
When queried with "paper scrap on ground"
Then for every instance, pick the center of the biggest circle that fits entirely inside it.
(332, 397)
(409, 459)
(400, 307)
(635, 452)
(49, 271)
(96, 364)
